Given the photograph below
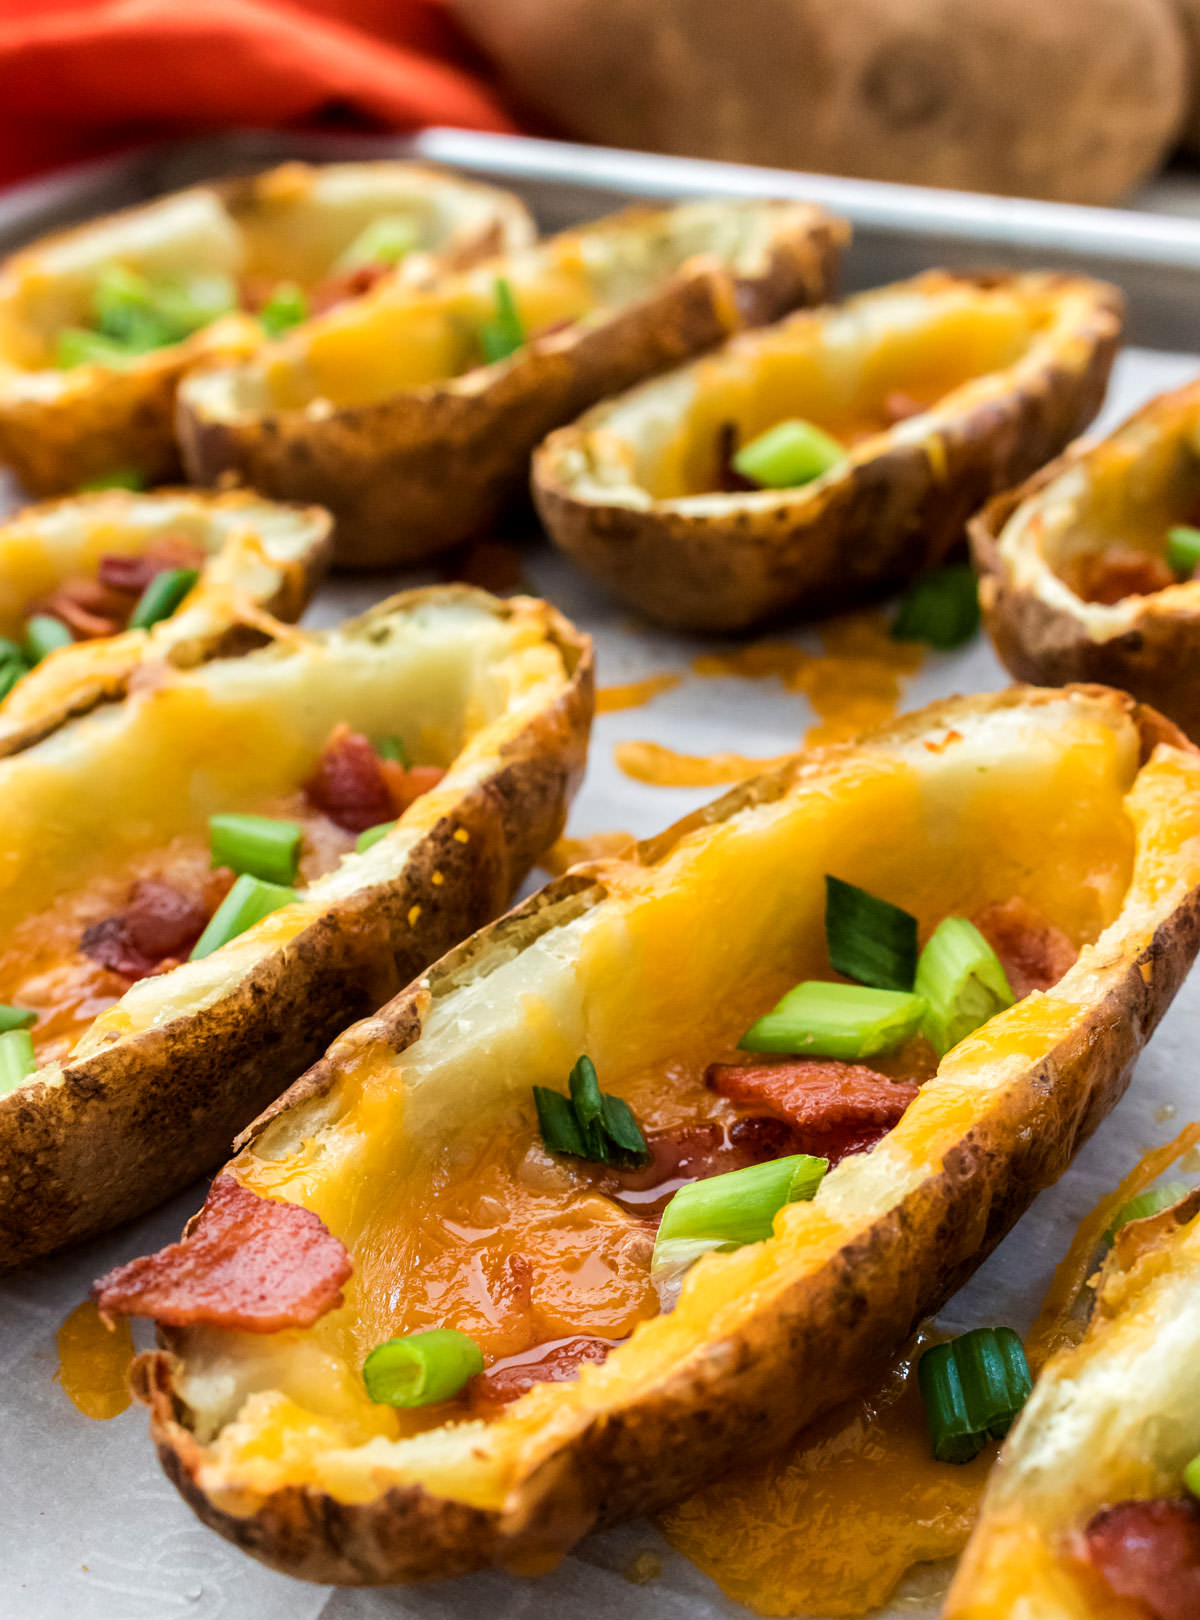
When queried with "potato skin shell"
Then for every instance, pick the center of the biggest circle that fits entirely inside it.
(132, 1124)
(411, 476)
(826, 1337)
(1157, 659)
(864, 533)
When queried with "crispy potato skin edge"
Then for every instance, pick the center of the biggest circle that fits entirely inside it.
(131, 1125)
(827, 1336)
(886, 520)
(411, 475)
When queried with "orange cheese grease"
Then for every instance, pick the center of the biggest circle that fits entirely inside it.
(568, 852)
(42, 967)
(832, 1525)
(633, 694)
(93, 1362)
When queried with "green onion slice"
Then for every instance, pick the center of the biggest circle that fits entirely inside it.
(789, 454)
(77, 347)
(942, 609)
(504, 334)
(385, 240)
(17, 1061)
(286, 307)
(960, 978)
(973, 1389)
(45, 634)
(1151, 1202)
(846, 1021)
(590, 1124)
(162, 596)
(672, 1260)
(119, 478)
(1191, 1476)
(260, 845)
(869, 939)
(248, 902)
(393, 748)
(11, 671)
(370, 837)
(1183, 549)
(15, 1017)
(740, 1206)
(557, 1123)
(421, 1369)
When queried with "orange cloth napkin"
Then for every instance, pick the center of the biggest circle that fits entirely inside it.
(82, 77)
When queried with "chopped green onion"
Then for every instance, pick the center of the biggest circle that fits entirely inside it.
(11, 671)
(11, 651)
(45, 634)
(119, 478)
(557, 1123)
(162, 596)
(1151, 1202)
(1183, 549)
(189, 304)
(961, 979)
(740, 1206)
(973, 1389)
(421, 1369)
(846, 1021)
(286, 307)
(505, 333)
(591, 1125)
(940, 609)
(17, 1061)
(133, 316)
(869, 939)
(393, 748)
(385, 240)
(77, 347)
(1191, 1476)
(787, 455)
(15, 1018)
(248, 902)
(368, 839)
(260, 845)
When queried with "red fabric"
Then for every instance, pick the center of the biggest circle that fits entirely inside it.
(82, 77)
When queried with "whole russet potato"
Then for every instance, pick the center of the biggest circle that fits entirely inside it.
(1070, 99)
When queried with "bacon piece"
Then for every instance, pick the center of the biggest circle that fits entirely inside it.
(406, 783)
(349, 785)
(834, 1109)
(899, 407)
(257, 1265)
(1118, 571)
(347, 284)
(159, 922)
(554, 1362)
(693, 1153)
(1149, 1551)
(728, 480)
(131, 574)
(87, 608)
(1033, 953)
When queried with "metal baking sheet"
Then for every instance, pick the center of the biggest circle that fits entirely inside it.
(92, 1530)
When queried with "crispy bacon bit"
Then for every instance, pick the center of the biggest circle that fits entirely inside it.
(1118, 571)
(1149, 1551)
(348, 284)
(554, 1362)
(693, 1153)
(728, 479)
(160, 923)
(833, 1109)
(131, 574)
(253, 1264)
(1033, 953)
(899, 407)
(87, 608)
(356, 789)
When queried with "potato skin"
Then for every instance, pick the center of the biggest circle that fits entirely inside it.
(136, 1121)
(747, 1393)
(1078, 100)
(873, 528)
(410, 476)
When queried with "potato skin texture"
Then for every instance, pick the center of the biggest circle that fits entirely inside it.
(410, 476)
(1076, 101)
(872, 528)
(745, 1394)
(133, 1123)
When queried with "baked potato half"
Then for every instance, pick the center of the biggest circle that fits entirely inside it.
(1076, 576)
(90, 563)
(458, 721)
(1087, 1513)
(927, 396)
(73, 410)
(404, 1179)
(412, 417)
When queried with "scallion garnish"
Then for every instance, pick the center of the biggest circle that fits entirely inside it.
(17, 1061)
(421, 1369)
(504, 334)
(11, 670)
(941, 609)
(590, 1124)
(248, 902)
(1191, 1476)
(961, 979)
(973, 1389)
(368, 839)
(788, 455)
(386, 240)
(15, 1018)
(286, 307)
(393, 748)
(260, 845)
(846, 1021)
(1183, 549)
(162, 596)
(1151, 1202)
(119, 478)
(45, 634)
(869, 939)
